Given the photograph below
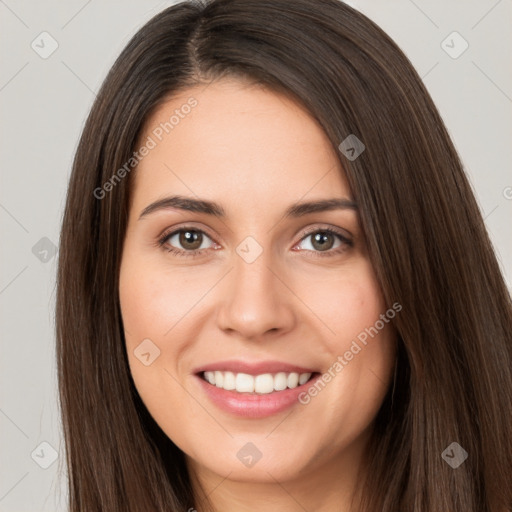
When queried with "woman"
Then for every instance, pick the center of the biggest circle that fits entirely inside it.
(275, 287)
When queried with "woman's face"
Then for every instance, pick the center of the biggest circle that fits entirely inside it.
(261, 290)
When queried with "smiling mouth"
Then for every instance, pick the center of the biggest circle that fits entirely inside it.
(262, 384)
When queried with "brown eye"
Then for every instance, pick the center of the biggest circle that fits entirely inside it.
(186, 240)
(322, 241)
(190, 239)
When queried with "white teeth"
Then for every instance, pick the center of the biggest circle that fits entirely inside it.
(243, 383)
(263, 384)
(280, 381)
(303, 378)
(229, 381)
(219, 379)
(293, 380)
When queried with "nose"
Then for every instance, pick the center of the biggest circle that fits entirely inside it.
(256, 300)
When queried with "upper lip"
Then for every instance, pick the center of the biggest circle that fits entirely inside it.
(253, 368)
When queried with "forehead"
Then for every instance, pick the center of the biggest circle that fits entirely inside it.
(238, 142)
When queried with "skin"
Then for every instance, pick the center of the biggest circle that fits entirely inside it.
(255, 152)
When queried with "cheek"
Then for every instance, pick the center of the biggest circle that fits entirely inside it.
(347, 304)
(165, 308)
(351, 308)
(146, 305)
(150, 306)
(152, 301)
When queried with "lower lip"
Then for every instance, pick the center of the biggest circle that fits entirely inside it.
(254, 405)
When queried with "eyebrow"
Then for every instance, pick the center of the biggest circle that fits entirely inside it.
(298, 209)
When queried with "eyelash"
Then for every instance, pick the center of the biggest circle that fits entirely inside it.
(346, 242)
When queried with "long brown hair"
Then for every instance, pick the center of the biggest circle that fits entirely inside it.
(426, 240)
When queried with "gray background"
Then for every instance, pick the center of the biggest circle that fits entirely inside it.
(44, 102)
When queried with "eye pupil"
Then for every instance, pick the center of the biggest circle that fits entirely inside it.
(321, 241)
(190, 239)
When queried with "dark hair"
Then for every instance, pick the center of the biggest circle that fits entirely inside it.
(425, 235)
